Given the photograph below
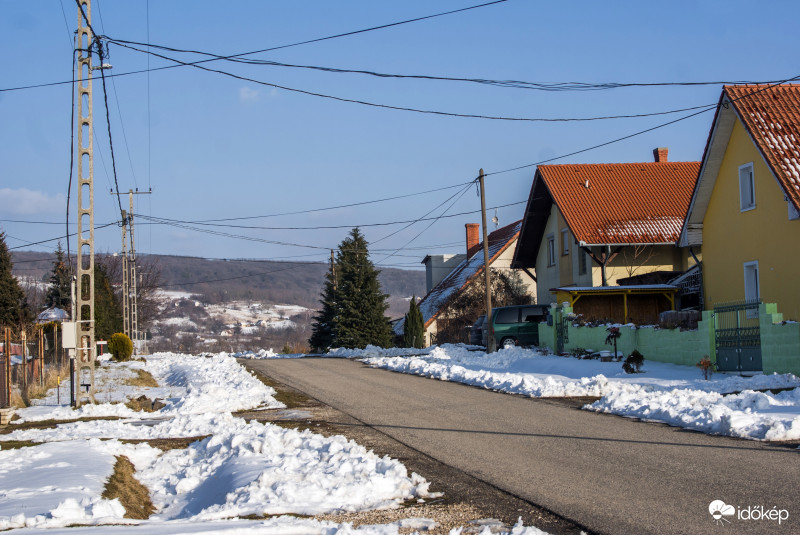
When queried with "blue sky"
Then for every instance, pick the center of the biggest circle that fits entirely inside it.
(214, 147)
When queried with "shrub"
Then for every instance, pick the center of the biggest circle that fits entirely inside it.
(633, 364)
(120, 346)
(706, 367)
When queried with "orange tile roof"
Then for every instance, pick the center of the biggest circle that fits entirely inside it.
(622, 203)
(771, 115)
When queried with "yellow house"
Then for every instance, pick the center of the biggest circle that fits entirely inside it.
(745, 208)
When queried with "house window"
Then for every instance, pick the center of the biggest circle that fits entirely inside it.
(752, 291)
(747, 192)
(582, 262)
(564, 241)
(551, 250)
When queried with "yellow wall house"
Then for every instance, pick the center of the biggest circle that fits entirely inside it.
(745, 209)
(590, 225)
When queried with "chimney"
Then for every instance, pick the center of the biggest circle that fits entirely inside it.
(473, 238)
(660, 154)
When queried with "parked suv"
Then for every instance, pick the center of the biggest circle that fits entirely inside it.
(516, 325)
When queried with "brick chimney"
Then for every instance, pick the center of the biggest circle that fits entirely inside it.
(660, 154)
(473, 238)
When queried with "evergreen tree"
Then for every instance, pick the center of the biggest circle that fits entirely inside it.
(360, 304)
(59, 293)
(107, 308)
(414, 327)
(13, 305)
(324, 322)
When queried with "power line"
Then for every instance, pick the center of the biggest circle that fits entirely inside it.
(706, 109)
(403, 108)
(519, 84)
(309, 41)
(324, 209)
(119, 109)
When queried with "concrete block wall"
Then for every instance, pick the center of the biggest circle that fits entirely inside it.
(780, 342)
(663, 345)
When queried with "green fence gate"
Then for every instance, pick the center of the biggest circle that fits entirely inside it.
(737, 336)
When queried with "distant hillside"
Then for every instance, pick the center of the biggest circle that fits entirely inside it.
(218, 281)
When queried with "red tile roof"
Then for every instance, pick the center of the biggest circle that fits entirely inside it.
(622, 203)
(771, 115)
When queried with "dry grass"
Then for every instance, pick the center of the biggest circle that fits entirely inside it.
(143, 403)
(166, 444)
(16, 444)
(133, 496)
(142, 378)
(37, 389)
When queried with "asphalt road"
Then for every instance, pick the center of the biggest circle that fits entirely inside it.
(610, 474)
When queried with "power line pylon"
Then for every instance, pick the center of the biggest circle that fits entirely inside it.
(86, 354)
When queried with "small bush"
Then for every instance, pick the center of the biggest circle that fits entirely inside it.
(706, 367)
(120, 346)
(633, 364)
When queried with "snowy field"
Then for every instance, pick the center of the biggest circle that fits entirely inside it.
(678, 395)
(238, 469)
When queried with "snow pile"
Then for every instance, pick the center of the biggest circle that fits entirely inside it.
(665, 392)
(750, 414)
(234, 468)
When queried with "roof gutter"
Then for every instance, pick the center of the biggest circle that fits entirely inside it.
(584, 244)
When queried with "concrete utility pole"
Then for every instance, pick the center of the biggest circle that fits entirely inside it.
(84, 368)
(491, 345)
(130, 310)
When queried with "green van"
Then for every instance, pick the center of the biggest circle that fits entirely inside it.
(516, 325)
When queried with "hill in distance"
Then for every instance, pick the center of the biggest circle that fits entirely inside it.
(219, 281)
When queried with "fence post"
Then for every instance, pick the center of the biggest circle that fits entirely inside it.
(7, 371)
(41, 356)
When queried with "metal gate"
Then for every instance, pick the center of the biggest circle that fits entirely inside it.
(737, 336)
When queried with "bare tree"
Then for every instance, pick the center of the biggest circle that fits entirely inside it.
(637, 256)
(148, 281)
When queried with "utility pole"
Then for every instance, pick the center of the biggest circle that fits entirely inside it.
(130, 310)
(491, 345)
(84, 373)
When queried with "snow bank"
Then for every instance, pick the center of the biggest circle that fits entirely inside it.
(234, 468)
(665, 392)
(754, 415)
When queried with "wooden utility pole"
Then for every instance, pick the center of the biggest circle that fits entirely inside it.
(491, 345)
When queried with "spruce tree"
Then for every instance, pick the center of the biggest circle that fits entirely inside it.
(59, 293)
(107, 308)
(324, 322)
(414, 327)
(13, 305)
(360, 304)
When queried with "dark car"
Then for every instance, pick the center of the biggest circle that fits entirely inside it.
(516, 325)
(476, 331)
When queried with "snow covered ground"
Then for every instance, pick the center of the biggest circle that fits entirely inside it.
(234, 468)
(726, 404)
